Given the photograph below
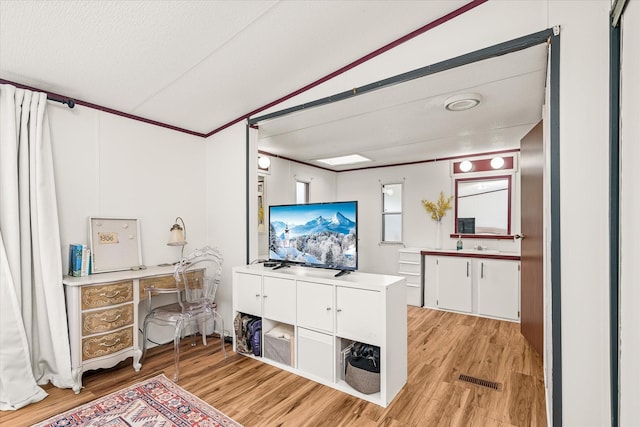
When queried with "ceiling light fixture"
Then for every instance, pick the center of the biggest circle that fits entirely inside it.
(497, 162)
(462, 102)
(344, 160)
(465, 166)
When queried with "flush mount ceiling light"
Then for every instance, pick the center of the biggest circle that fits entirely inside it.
(464, 101)
(497, 162)
(465, 166)
(345, 160)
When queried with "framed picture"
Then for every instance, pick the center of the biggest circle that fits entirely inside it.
(115, 244)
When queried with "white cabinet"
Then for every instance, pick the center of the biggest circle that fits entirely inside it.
(279, 299)
(273, 298)
(454, 284)
(358, 315)
(250, 300)
(409, 266)
(328, 313)
(315, 354)
(315, 306)
(498, 288)
(482, 285)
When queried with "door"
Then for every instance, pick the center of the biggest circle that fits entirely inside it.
(454, 284)
(248, 293)
(531, 296)
(279, 299)
(315, 306)
(498, 288)
(358, 315)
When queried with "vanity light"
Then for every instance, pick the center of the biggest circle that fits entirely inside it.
(465, 166)
(264, 162)
(462, 102)
(497, 162)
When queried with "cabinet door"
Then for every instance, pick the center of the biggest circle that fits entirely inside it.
(279, 299)
(499, 288)
(454, 284)
(315, 306)
(430, 281)
(248, 293)
(359, 315)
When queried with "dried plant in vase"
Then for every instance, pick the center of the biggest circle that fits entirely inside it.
(439, 208)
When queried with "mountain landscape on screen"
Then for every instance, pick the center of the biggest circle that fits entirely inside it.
(321, 241)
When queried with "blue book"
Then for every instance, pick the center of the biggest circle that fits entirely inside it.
(75, 260)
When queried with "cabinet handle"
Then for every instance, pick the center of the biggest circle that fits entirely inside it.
(113, 295)
(264, 296)
(257, 295)
(115, 342)
(112, 320)
(328, 308)
(339, 310)
(467, 268)
(482, 270)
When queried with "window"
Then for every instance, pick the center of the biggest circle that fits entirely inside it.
(302, 192)
(391, 213)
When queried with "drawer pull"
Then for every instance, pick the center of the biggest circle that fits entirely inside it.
(113, 295)
(115, 343)
(112, 320)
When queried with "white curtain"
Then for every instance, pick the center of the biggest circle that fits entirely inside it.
(34, 343)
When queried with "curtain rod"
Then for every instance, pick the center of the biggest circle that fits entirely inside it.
(68, 102)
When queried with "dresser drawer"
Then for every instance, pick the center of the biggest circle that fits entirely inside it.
(94, 322)
(168, 282)
(106, 295)
(413, 257)
(409, 267)
(105, 344)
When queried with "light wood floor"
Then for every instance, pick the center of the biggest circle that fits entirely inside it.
(441, 346)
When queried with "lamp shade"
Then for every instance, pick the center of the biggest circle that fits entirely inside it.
(178, 234)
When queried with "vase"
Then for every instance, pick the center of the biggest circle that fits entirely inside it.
(438, 242)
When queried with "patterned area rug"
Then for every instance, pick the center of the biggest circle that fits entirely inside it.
(156, 402)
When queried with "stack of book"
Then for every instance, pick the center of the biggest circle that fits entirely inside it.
(79, 260)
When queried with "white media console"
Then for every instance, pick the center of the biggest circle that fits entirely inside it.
(326, 314)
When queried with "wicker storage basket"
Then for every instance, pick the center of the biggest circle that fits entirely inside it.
(362, 380)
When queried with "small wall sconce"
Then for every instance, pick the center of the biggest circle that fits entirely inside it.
(264, 163)
(178, 235)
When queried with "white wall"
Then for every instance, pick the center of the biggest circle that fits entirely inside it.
(226, 206)
(629, 225)
(584, 218)
(106, 165)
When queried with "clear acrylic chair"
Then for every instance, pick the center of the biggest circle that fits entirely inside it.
(197, 279)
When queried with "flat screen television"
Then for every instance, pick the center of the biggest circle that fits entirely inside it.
(321, 235)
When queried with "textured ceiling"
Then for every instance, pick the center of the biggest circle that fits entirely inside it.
(194, 64)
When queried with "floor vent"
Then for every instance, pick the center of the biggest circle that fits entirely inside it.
(477, 381)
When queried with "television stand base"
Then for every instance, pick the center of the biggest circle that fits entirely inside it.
(283, 265)
(342, 273)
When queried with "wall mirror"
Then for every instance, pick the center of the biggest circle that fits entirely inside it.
(483, 207)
